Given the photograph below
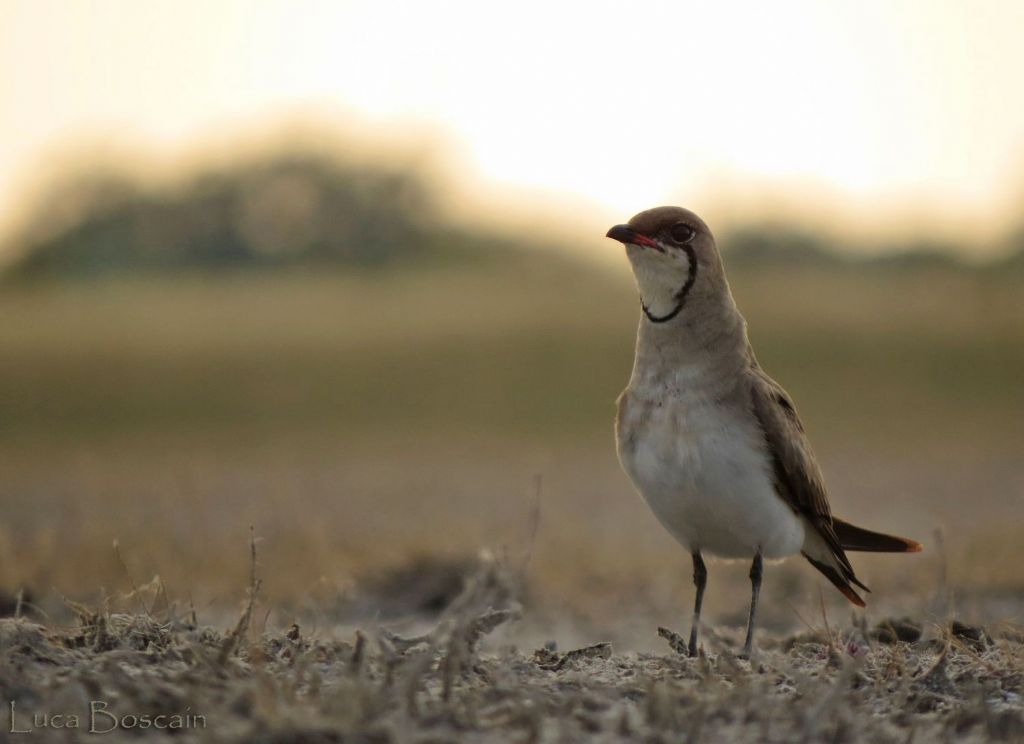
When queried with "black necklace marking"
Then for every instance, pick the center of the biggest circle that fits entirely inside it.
(663, 318)
(681, 294)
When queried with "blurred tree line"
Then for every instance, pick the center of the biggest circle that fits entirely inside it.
(297, 208)
(285, 209)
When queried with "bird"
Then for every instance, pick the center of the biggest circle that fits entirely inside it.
(711, 442)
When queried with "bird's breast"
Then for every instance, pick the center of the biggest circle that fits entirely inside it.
(703, 468)
(665, 440)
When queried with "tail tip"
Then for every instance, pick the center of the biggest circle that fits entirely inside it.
(852, 595)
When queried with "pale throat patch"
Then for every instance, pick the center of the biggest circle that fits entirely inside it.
(659, 279)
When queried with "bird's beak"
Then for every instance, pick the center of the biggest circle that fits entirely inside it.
(626, 235)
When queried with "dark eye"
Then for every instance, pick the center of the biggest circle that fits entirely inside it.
(681, 233)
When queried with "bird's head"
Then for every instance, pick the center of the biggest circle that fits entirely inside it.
(673, 255)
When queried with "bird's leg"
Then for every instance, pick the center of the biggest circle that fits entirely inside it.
(756, 571)
(700, 580)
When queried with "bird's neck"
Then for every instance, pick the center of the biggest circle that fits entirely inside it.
(705, 344)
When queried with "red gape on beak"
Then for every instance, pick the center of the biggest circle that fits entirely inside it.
(626, 234)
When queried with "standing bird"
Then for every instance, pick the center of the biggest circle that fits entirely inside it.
(712, 443)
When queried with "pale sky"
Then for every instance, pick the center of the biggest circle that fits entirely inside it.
(875, 114)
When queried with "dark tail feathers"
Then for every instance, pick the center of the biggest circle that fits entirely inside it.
(841, 582)
(858, 538)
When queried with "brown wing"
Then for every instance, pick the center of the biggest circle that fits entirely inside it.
(798, 479)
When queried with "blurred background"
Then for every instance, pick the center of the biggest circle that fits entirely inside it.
(336, 271)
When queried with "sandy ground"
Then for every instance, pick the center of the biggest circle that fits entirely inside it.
(466, 678)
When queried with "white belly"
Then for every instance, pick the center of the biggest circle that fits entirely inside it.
(706, 475)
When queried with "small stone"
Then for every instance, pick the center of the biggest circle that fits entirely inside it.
(897, 629)
(973, 635)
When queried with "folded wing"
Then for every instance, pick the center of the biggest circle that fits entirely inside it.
(798, 481)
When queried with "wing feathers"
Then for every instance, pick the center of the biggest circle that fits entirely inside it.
(839, 581)
(799, 482)
(798, 479)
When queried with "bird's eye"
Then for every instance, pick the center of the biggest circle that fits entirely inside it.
(681, 233)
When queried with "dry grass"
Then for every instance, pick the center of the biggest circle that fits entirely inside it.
(451, 683)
